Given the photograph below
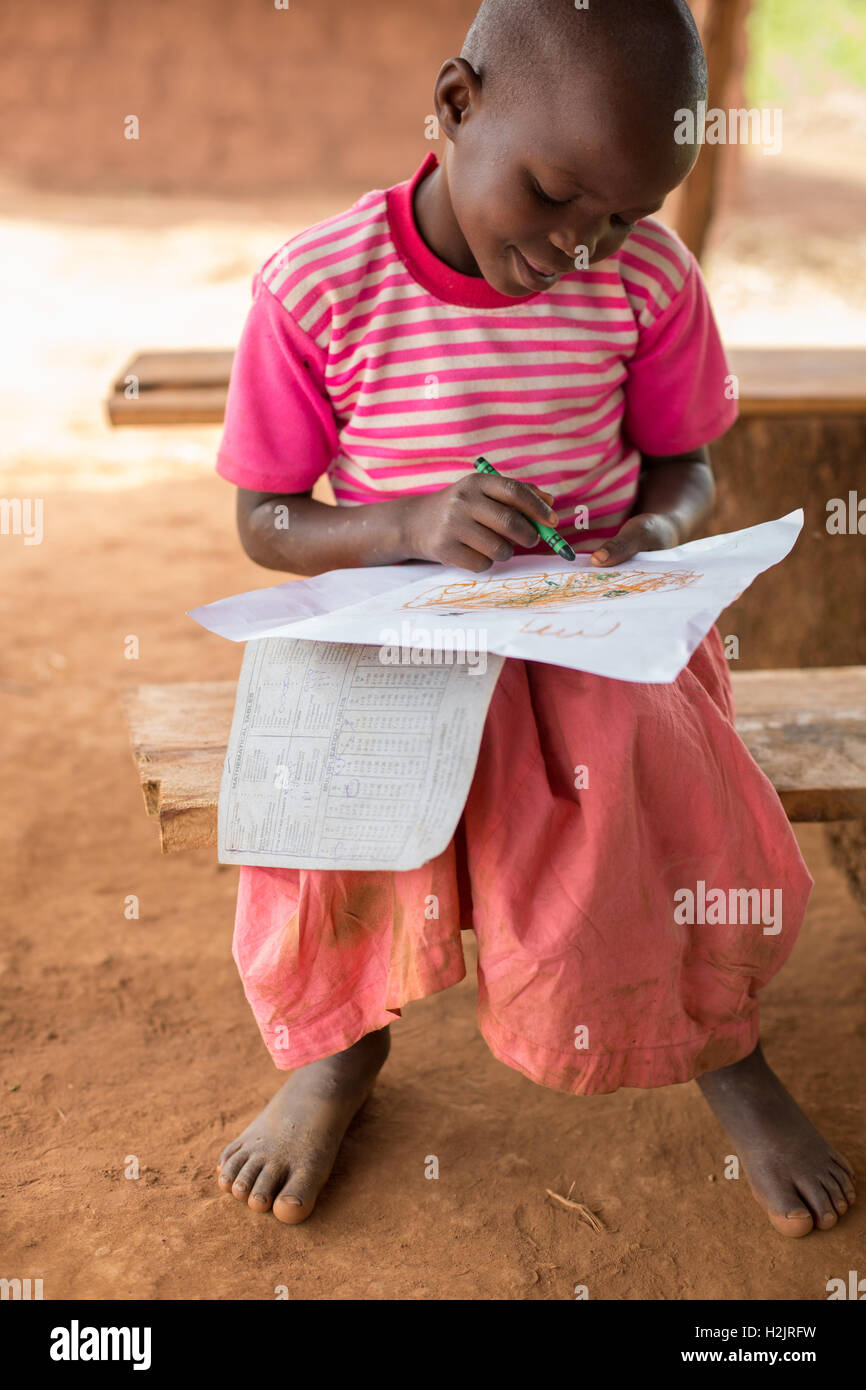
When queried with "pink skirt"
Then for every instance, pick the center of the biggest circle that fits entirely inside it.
(628, 871)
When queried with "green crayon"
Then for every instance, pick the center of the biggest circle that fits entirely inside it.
(547, 533)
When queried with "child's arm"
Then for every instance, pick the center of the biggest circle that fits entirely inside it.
(675, 495)
(471, 523)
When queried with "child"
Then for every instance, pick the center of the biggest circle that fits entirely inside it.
(518, 300)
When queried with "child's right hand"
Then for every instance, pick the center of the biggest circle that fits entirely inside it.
(475, 521)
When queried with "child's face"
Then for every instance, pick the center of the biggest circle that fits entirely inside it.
(540, 183)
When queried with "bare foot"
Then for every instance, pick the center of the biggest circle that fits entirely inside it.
(795, 1174)
(284, 1158)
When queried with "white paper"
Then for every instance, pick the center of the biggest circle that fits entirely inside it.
(338, 761)
(639, 621)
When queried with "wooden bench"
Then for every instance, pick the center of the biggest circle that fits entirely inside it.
(189, 387)
(171, 388)
(806, 729)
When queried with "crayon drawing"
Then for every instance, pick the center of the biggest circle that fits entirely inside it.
(550, 593)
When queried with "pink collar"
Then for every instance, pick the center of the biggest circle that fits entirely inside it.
(440, 279)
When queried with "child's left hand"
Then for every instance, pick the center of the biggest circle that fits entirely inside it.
(646, 531)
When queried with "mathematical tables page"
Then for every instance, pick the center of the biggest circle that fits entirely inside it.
(338, 761)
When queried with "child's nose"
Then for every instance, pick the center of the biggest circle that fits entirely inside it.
(572, 240)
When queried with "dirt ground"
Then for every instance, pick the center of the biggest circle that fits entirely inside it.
(131, 1038)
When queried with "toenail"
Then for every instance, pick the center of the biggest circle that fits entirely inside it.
(298, 1201)
(241, 1186)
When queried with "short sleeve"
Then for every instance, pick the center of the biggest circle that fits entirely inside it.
(280, 433)
(678, 391)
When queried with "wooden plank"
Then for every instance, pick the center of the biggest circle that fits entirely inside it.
(189, 388)
(176, 369)
(175, 387)
(179, 735)
(192, 405)
(805, 729)
(800, 381)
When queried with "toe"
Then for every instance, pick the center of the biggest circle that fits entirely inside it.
(291, 1210)
(844, 1181)
(298, 1196)
(266, 1186)
(783, 1205)
(835, 1193)
(795, 1222)
(246, 1178)
(227, 1152)
(230, 1168)
(819, 1203)
(842, 1162)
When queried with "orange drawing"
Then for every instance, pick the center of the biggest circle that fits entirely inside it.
(549, 593)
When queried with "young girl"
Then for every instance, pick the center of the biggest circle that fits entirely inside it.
(518, 300)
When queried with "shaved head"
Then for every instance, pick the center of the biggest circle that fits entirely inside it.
(519, 47)
(560, 134)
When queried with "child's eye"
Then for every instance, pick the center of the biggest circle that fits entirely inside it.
(546, 198)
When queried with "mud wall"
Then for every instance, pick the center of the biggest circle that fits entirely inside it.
(233, 97)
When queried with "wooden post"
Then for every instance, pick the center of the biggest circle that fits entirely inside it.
(722, 25)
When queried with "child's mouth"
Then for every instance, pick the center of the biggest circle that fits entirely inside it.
(533, 276)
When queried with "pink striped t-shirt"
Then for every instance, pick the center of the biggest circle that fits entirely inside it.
(366, 357)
